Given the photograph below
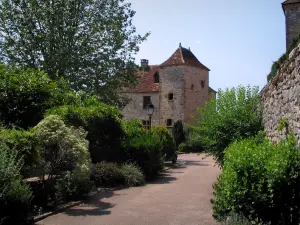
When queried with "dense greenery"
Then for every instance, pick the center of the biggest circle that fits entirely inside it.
(23, 144)
(25, 95)
(168, 143)
(15, 196)
(260, 181)
(64, 157)
(192, 141)
(103, 126)
(147, 152)
(235, 114)
(90, 43)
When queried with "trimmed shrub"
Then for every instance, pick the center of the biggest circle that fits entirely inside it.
(103, 126)
(192, 143)
(15, 196)
(178, 132)
(168, 143)
(146, 152)
(22, 143)
(260, 181)
(133, 128)
(25, 95)
(133, 175)
(64, 158)
(107, 175)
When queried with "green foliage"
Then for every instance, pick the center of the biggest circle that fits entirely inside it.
(133, 175)
(133, 128)
(193, 141)
(25, 95)
(15, 196)
(64, 157)
(97, 57)
(178, 132)
(23, 144)
(168, 143)
(103, 126)
(107, 175)
(146, 152)
(236, 220)
(260, 181)
(235, 114)
(283, 123)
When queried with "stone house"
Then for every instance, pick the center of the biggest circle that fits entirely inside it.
(176, 88)
(291, 10)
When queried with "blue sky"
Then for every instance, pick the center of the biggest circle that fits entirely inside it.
(237, 39)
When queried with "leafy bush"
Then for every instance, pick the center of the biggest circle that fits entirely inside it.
(22, 143)
(260, 181)
(133, 128)
(178, 132)
(25, 95)
(192, 143)
(235, 114)
(146, 152)
(103, 126)
(168, 143)
(15, 196)
(133, 175)
(236, 220)
(107, 175)
(64, 156)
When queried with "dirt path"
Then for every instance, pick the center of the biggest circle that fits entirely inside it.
(181, 197)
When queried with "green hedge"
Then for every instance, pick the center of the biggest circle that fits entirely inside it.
(168, 143)
(260, 181)
(103, 125)
(23, 144)
(147, 152)
(113, 175)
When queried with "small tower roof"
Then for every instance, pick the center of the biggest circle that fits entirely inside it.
(183, 56)
(290, 2)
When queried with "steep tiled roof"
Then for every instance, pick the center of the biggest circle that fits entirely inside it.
(183, 56)
(290, 2)
(145, 81)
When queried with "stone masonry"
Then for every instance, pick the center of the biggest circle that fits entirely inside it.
(281, 99)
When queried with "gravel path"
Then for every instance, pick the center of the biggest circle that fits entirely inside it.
(181, 197)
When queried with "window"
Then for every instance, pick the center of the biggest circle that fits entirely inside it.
(146, 101)
(169, 123)
(202, 83)
(146, 124)
(156, 77)
(170, 96)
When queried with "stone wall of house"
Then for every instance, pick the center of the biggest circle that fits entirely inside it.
(196, 87)
(281, 98)
(171, 81)
(134, 110)
(292, 15)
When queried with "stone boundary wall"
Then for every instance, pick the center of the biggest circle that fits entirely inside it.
(280, 98)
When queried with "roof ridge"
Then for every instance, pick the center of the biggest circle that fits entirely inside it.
(182, 58)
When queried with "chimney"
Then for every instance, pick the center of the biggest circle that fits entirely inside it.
(145, 64)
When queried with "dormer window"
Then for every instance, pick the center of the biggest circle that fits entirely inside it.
(156, 77)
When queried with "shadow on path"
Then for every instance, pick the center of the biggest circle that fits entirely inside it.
(93, 206)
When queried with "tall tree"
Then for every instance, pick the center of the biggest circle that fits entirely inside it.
(91, 43)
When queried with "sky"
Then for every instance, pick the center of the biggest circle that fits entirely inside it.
(238, 40)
